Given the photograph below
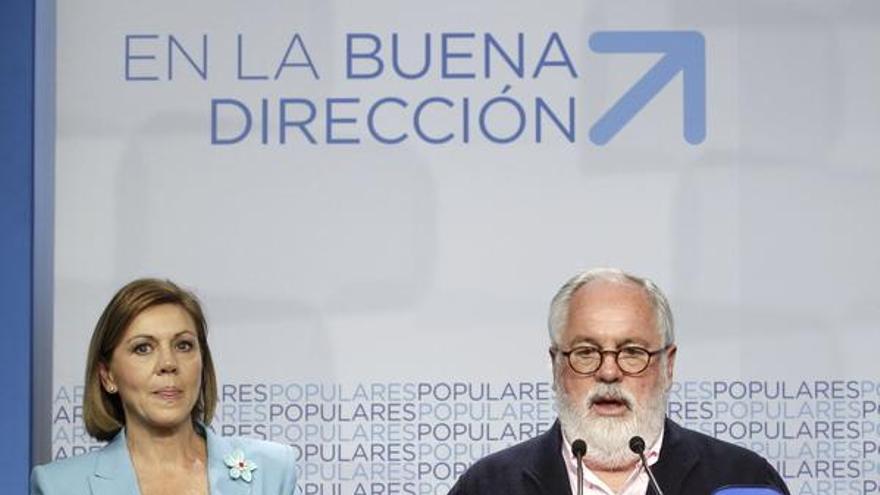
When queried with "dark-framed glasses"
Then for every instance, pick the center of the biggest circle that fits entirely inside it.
(632, 360)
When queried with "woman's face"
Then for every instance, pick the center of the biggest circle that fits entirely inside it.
(156, 369)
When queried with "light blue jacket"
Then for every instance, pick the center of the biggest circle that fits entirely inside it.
(109, 471)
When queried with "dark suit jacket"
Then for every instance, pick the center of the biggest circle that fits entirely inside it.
(690, 463)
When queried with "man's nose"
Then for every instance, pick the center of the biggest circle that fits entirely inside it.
(609, 371)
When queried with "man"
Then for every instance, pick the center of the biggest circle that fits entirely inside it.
(613, 354)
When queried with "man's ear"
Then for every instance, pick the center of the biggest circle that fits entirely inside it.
(670, 362)
(552, 353)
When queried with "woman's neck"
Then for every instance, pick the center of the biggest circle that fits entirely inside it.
(177, 445)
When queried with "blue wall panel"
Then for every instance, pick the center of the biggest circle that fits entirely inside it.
(16, 228)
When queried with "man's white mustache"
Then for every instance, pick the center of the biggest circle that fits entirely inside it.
(604, 391)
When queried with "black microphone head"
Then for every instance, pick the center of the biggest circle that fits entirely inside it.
(579, 448)
(637, 444)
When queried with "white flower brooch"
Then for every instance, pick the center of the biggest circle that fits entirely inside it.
(239, 467)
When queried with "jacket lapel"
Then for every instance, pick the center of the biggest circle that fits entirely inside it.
(114, 473)
(546, 469)
(675, 462)
(220, 482)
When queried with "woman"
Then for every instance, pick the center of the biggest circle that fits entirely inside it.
(151, 391)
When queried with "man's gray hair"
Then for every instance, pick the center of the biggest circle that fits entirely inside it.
(561, 301)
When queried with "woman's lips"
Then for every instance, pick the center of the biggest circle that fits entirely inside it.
(169, 393)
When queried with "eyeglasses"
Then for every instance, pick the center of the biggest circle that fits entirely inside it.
(632, 360)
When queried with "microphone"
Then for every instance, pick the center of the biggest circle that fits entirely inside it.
(579, 450)
(637, 445)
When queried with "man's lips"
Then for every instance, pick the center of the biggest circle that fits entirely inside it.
(609, 405)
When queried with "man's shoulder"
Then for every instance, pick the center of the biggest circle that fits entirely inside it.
(517, 467)
(514, 457)
(709, 448)
(699, 463)
(504, 471)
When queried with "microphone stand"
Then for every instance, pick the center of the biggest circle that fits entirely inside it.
(579, 449)
(637, 445)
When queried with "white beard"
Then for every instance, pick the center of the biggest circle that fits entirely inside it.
(607, 438)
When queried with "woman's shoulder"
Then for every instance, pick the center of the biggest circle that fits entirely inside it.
(263, 450)
(71, 464)
(64, 475)
(275, 462)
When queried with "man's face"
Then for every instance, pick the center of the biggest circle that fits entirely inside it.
(608, 407)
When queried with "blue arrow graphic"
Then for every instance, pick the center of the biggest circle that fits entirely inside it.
(685, 52)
